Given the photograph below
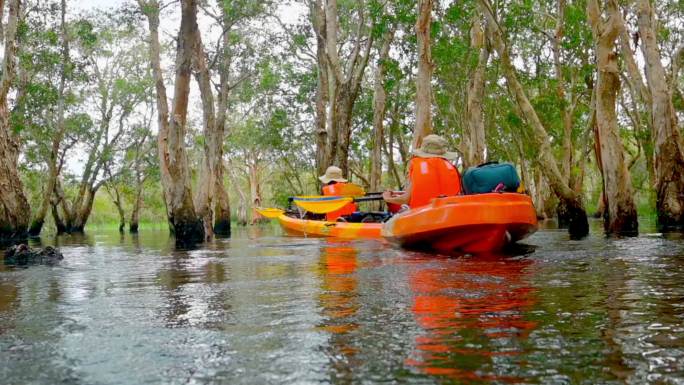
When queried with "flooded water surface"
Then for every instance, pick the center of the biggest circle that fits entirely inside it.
(261, 308)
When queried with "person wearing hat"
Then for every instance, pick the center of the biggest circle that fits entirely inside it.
(333, 184)
(430, 175)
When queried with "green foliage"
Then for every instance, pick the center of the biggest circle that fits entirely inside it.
(273, 77)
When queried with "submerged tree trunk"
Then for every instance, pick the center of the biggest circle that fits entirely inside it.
(213, 143)
(14, 208)
(241, 212)
(379, 107)
(578, 224)
(221, 205)
(621, 215)
(173, 164)
(48, 190)
(669, 150)
(476, 142)
(135, 211)
(221, 201)
(254, 190)
(424, 78)
(116, 198)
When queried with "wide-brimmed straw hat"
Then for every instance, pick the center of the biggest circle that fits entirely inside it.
(434, 146)
(332, 174)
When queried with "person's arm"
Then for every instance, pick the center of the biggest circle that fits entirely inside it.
(400, 199)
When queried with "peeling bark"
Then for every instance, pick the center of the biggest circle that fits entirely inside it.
(213, 142)
(14, 208)
(184, 222)
(424, 79)
(669, 150)
(621, 215)
(379, 107)
(221, 201)
(347, 83)
(476, 142)
(321, 133)
(565, 112)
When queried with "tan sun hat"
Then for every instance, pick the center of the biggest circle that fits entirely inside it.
(332, 173)
(434, 146)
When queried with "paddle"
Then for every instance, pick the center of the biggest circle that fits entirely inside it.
(321, 204)
(269, 212)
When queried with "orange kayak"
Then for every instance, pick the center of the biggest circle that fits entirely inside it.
(471, 223)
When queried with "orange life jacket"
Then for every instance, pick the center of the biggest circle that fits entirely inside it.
(333, 190)
(430, 178)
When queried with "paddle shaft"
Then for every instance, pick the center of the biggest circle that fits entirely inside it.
(367, 198)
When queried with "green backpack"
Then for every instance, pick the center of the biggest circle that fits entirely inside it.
(486, 177)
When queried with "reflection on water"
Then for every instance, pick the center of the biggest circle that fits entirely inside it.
(472, 309)
(260, 308)
(339, 303)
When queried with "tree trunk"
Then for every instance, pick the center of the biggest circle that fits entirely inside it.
(221, 201)
(476, 142)
(669, 150)
(640, 95)
(578, 224)
(241, 212)
(335, 79)
(379, 107)
(60, 226)
(254, 191)
(343, 84)
(321, 134)
(49, 188)
(621, 215)
(122, 215)
(173, 164)
(213, 143)
(82, 212)
(63, 223)
(221, 205)
(14, 208)
(39, 217)
(539, 196)
(424, 79)
(389, 152)
(135, 211)
(343, 117)
(565, 113)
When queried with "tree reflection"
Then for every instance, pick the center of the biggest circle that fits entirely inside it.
(339, 301)
(9, 301)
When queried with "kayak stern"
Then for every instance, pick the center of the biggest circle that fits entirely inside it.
(470, 223)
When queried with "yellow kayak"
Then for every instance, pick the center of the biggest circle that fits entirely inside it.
(298, 226)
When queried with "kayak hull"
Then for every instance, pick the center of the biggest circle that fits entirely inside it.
(469, 223)
(296, 226)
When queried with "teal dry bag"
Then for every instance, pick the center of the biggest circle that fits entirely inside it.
(486, 177)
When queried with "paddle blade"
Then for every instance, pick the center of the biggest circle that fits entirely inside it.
(321, 204)
(269, 212)
(351, 190)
